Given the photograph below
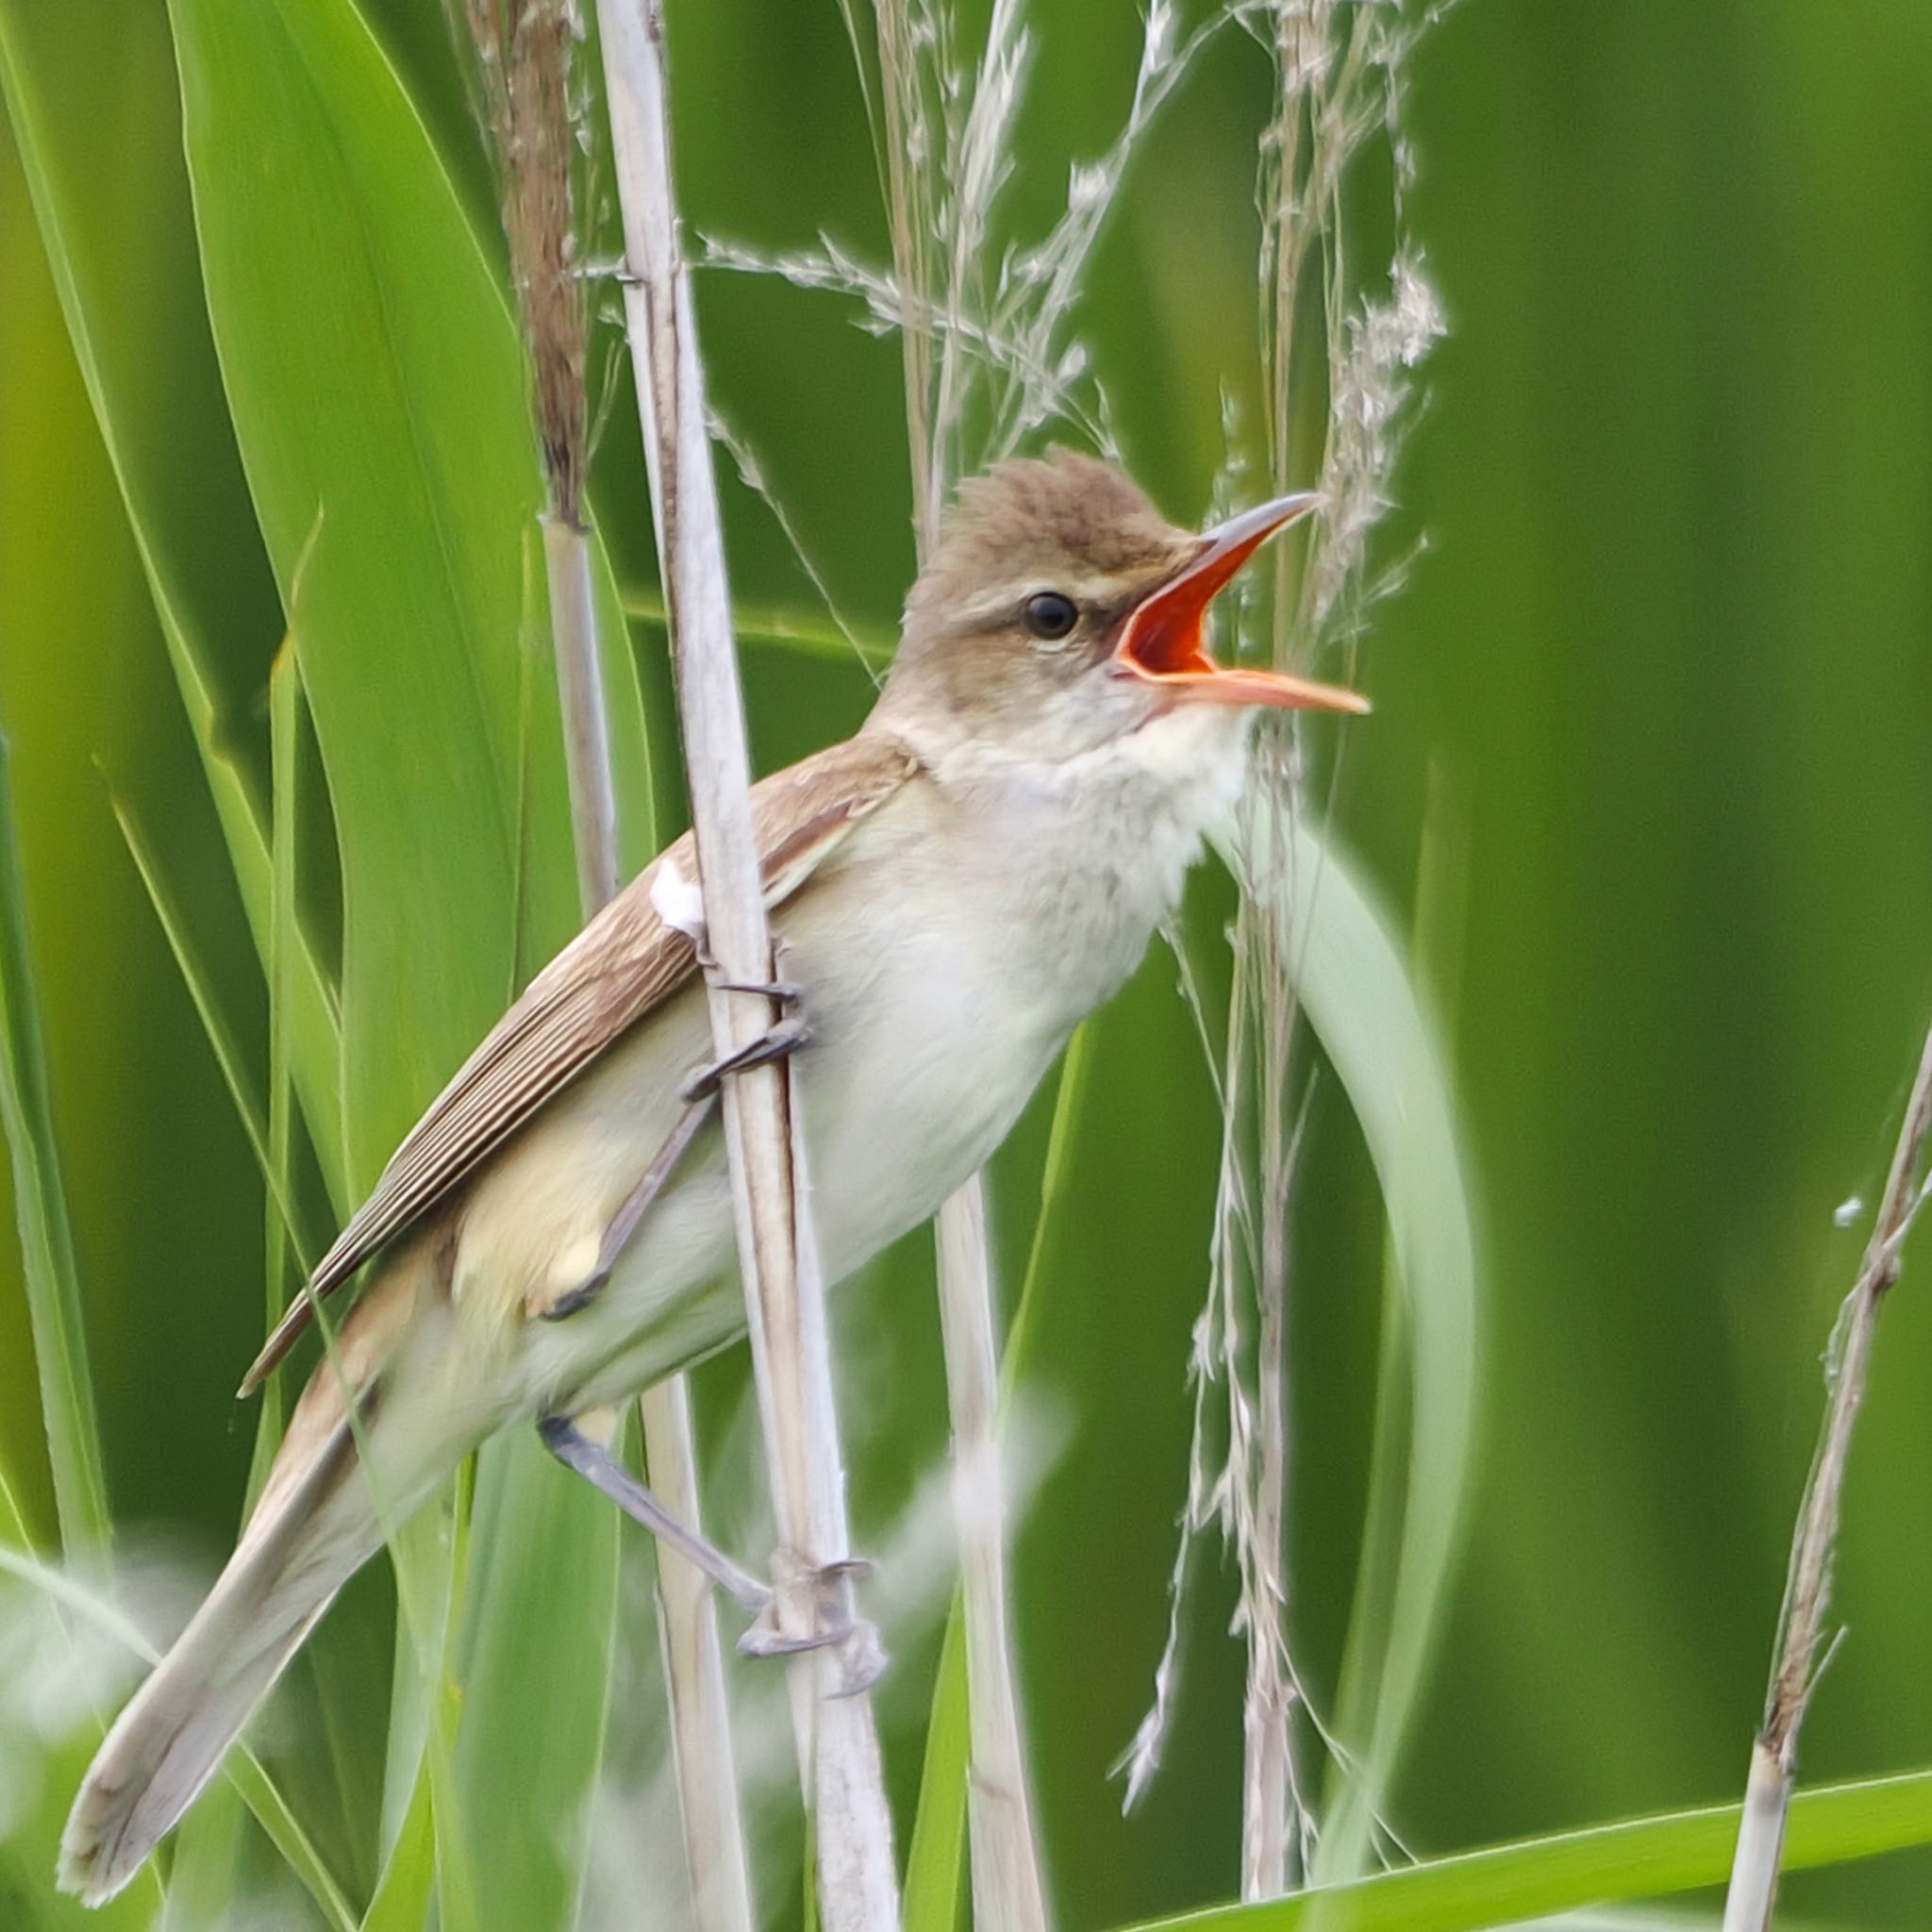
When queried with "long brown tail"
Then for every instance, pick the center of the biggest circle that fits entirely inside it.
(316, 1525)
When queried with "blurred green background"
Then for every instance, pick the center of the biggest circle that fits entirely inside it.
(1661, 687)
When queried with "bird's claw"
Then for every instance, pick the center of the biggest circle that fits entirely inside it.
(810, 1607)
(787, 1036)
(784, 992)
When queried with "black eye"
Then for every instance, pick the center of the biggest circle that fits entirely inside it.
(1050, 615)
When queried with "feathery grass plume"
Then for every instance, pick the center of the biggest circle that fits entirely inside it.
(1339, 87)
(1808, 1586)
(992, 350)
(535, 114)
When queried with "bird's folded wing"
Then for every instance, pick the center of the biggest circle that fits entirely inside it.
(625, 962)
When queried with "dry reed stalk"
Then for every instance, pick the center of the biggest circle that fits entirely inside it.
(837, 1736)
(1008, 1890)
(524, 82)
(1808, 1587)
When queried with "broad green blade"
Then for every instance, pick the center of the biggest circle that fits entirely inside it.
(1643, 1858)
(373, 380)
(936, 1860)
(1363, 1005)
(408, 1878)
(50, 63)
(544, 1573)
(205, 1873)
(46, 1238)
(376, 387)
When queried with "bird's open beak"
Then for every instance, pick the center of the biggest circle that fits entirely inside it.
(1160, 638)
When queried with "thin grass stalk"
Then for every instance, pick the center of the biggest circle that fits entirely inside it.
(1337, 82)
(1007, 1892)
(581, 691)
(1808, 1589)
(1008, 1888)
(694, 1660)
(288, 1256)
(522, 70)
(1274, 1819)
(222, 1040)
(1276, 1824)
(837, 1737)
(68, 1410)
(709, 1808)
(909, 213)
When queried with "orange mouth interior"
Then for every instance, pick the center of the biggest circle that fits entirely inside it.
(1162, 637)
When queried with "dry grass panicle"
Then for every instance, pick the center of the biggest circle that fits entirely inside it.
(528, 97)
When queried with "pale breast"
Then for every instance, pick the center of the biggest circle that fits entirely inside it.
(945, 954)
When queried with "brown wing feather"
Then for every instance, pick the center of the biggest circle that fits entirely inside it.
(624, 964)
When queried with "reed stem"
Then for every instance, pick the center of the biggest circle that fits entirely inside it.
(1808, 1589)
(837, 1739)
(525, 102)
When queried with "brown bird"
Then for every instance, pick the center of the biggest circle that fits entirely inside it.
(956, 887)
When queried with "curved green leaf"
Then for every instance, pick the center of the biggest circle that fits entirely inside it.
(1643, 1858)
(1351, 969)
(46, 1240)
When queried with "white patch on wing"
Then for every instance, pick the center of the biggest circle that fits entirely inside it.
(676, 900)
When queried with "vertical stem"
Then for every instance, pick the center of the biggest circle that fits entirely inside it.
(686, 1615)
(527, 102)
(1007, 1887)
(1760, 1843)
(46, 1236)
(906, 212)
(1009, 1891)
(1808, 1591)
(791, 1355)
(586, 731)
(714, 1841)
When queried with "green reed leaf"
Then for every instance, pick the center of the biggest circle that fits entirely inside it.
(46, 1236)
(1642, 1857)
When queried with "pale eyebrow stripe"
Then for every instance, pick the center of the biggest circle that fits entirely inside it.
(1002, 606)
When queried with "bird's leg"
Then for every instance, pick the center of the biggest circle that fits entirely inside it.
(591, 1459)
(699, 1093)
(805, 1608)
(808, 1606)
(625, 1222)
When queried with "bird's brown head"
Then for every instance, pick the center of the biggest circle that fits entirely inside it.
(1061, 610)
